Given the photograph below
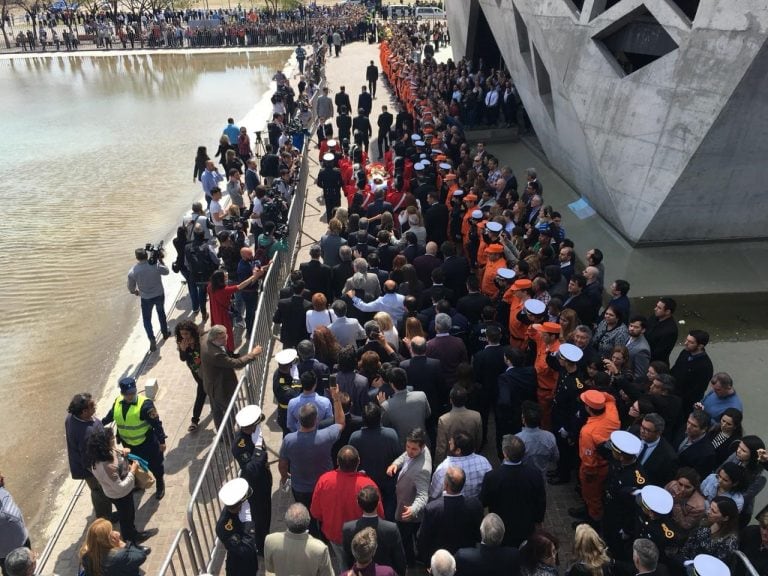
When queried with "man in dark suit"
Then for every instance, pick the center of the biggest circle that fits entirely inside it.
(438, 290)
(578, 301)
(424, 374)
(389, 551)
(452, 521)
(488, 365)
(384, 123)
(436, 219)
(516, 384)
(662, 330)
(352, 423)
(693, 448)
(342, 271)
(489, 558)
(372, 76)
(365, 102)
(657, 458)
(455, 269)
(341, 98)
(378, 446)
(427, 262)
(515, 491)
(361, 126)
(693, 369)
(318, 277)
(471, 305)
(378, 206)
(291, 314)
(451, 352)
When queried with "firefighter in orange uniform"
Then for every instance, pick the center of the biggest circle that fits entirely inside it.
(603, 419)
(516, 296)
(496, 260)
(546, 336)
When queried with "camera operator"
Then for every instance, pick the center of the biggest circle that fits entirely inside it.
(283, 185)
(269, 242)
(270, 165)
(274, 130)
(145, 280)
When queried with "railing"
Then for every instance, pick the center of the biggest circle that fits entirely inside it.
(741, 566)
(199, 537)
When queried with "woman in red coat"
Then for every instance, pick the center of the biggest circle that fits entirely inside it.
(220, 296)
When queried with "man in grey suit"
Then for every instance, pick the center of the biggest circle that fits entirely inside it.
(405, 410)
(295, 551)
(371, 283)
(639, 349)
(459, 419)
(390, 551)
(324, 106)
(414, 469)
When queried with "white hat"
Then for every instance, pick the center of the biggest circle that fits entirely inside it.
(424, 159)
(418, 166)
(248, 416)
(706, 565)
(494, 227)
(506, 273)
(534, 306)
(332, 143)
(416, 137)
(445, 166)
(287, 356)
(477, 214)
(655, 498)
(626, 442)
(420, 143)
(234, 492)
(571, 353)
(329, 157)
(460, 192)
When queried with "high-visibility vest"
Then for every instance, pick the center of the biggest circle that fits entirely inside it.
(132, 429)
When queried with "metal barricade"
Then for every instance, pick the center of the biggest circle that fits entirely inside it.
(204, 507)
(741, 566)
(181, 561)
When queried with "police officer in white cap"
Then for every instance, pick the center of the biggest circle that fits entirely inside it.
(330, 181)
(285, 384)
(570, 385)
(624, 478)
(655, 504)
(235, 529)
(706, 565)
(251, 456)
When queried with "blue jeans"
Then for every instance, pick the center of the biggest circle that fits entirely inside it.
(146, 315)
(250, 299)
(198, 294)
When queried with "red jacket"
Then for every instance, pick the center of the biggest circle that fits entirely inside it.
(334, 501)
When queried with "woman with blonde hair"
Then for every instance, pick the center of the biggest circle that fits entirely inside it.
(590, 554)
(568, 322)
(342, 215)
(384, 320)
(105, 553)
(221, 152)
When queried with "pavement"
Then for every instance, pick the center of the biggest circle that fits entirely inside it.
(187, 451)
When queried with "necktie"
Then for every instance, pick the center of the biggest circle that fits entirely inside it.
(641, 457)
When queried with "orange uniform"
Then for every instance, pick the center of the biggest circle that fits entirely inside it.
(546, 377)
(594, 468)
(518, 331)
(487, 286)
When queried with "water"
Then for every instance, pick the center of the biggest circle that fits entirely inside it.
(99, 156)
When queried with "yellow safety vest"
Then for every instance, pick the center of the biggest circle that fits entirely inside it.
(132, 429)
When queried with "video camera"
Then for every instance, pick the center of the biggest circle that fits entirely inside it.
(154, 253)
(281, 231)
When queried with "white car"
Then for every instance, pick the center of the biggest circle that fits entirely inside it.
(429, 13)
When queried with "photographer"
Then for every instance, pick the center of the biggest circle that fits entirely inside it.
(270, 164)
(283, 186)
(145, 280)
(272, 242)
(201, 261)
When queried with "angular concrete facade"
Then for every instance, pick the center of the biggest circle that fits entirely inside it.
(655, 110)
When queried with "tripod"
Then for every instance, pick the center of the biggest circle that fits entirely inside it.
(258, 148)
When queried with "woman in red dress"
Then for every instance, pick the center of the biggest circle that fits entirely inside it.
(220, 296)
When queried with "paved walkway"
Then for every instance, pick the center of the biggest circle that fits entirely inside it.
(187, 451)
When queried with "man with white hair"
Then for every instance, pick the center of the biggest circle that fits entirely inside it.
(295, 551)
(450, 350)
(442, 564)
(20, 562)
(371, 284)
(489, 558)
(645, 556)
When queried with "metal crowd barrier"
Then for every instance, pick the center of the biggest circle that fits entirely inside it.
(196, 545)
(741, 566)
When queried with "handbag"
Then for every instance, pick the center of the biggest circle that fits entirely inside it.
(144, 478)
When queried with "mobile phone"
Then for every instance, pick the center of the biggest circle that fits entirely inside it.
(332, 380)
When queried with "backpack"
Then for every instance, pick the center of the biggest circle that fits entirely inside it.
(199, 261)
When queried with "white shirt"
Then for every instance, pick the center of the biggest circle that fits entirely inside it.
(475, 468)
(391, 303)
(321, 318)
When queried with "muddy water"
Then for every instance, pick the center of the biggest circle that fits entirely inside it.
(98, 157)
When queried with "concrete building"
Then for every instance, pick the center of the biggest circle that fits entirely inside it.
(654, 110)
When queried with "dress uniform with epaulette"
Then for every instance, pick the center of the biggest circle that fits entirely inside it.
(251, 456)
(235, 529)
(140, 429)
(653, 522)
(285, 385)
(565, 405)
(625, 477)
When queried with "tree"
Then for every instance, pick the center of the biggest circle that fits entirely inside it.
(32, 8)
(3, 16)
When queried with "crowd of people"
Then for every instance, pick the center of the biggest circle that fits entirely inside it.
(443, 316)
(193, 28)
